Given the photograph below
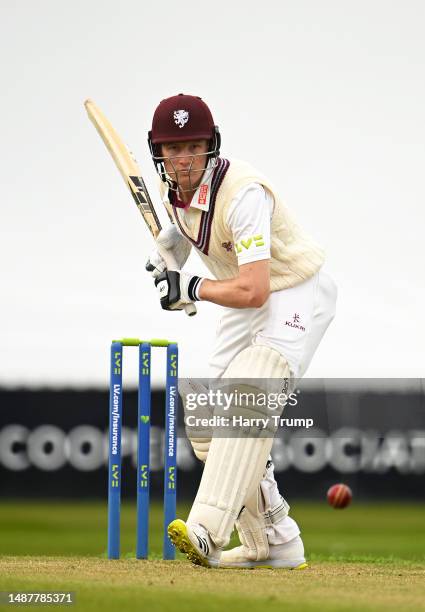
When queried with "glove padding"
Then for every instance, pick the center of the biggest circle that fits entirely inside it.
(168, 239)
(177, 289)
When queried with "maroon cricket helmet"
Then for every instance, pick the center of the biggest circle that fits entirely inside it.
(182, 118)
(179, 119)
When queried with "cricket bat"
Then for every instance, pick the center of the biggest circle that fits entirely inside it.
(130, 171)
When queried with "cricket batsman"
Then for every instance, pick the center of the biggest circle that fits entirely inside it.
(267, 274)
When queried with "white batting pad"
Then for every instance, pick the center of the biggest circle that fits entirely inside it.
(199, 438)
(235, 466)
(232, 472)
(257, 515)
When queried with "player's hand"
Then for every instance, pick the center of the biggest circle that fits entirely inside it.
(176, 289)
(169, 239)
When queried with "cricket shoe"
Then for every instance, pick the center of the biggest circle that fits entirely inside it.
(284, 556)
(195, 542)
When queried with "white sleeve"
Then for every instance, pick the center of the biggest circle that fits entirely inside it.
(248, 219)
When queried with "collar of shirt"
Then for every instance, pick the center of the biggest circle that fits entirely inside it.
(201, 197)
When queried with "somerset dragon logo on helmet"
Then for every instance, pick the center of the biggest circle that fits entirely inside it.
(181, 117)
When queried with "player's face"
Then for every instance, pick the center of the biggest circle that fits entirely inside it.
(185, 162)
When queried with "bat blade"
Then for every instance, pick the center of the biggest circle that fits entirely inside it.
(126, 164)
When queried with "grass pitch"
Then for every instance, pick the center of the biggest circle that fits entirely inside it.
(367, 557)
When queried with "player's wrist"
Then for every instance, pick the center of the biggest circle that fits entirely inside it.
(194, 287)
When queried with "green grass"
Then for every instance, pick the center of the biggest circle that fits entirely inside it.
(65, 528)
(367, 557)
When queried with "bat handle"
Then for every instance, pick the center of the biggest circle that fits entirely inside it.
(190, 309)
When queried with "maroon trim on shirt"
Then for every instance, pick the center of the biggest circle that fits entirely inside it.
(204, 234)
(175, 200)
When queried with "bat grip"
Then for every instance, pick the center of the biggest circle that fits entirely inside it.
(190, 309)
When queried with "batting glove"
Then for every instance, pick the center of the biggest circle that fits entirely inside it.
(169, 239)
(176, 289)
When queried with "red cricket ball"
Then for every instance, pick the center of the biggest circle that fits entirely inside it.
(339, 495)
